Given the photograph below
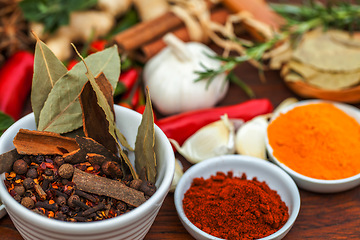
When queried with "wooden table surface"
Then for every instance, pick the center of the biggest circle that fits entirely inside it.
(322, 216)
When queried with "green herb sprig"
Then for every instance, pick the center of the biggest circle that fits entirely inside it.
(300, 19)
(53, 13)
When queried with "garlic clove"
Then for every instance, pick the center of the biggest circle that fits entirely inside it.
(179, 171)
(283, 104)
(214, 139)
(250, 138)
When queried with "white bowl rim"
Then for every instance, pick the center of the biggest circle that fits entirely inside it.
(78, 227)
(2, 209)
(244, 158)
(296, 174)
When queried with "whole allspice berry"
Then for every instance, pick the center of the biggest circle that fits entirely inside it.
(66, 170)
(20, 166)
(28, 183)
(28, 202)
(20, 190)
(32, 173)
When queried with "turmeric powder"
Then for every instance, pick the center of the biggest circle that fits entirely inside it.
(317, 140)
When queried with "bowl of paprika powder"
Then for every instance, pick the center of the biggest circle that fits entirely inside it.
(317, 143)
(237, 197)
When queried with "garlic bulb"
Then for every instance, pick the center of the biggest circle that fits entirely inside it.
(250, 138)
(170, 76)
(177, 175)
(212, 140)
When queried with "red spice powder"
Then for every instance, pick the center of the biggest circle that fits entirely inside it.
(231, 207)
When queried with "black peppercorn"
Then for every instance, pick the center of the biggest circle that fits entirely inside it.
(28, 202)
(20, 166)
(32, 173)
(28, 183)
(20, 190)
(66, 170)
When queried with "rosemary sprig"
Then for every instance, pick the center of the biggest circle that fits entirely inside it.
(300, 19)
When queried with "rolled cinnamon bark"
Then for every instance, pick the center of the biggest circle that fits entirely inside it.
(145, 52)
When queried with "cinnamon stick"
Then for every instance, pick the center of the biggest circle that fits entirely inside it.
(31, 142)
(146, 31)
(147, 51)
(103, 186)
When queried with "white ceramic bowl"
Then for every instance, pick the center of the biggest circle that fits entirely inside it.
(132, 225)
(2, 210)
(274, 176)
(313, 184)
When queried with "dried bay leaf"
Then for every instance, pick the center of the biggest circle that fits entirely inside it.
(319, 50)
(113, 130)
(145, 159)
(62, 111)
(48, 69)
(94, 120)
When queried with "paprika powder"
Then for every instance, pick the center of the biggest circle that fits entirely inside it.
(230, 207)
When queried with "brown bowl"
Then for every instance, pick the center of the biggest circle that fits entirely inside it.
(350, 95)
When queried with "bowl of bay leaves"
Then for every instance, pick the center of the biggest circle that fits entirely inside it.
(325, 65)
(100, 193)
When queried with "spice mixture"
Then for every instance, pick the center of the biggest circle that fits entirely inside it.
(317, 140)
(48, 185)
(232, 207)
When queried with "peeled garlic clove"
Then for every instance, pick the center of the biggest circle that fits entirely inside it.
(250, 138)
(214, 139)
(177, 175)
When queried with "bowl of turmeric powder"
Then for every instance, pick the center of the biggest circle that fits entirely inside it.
(237, 197)
(317, 143)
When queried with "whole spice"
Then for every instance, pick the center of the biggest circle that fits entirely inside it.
(170, 76)
(317, 140)
(231, 207)
(181, 126)
(15, 83)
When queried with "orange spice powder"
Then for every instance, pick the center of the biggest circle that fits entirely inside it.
(317, 140)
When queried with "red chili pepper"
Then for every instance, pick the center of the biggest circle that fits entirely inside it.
(97, 46)
(181, 126)
(71, 64)
(126, 82)
(15, 83)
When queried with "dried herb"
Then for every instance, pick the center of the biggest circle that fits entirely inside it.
(94, 120)
(62, 111)
(110, 117)
(91, 183)
(145, 159)
(301, 19)
(48, 69)
(47, 143)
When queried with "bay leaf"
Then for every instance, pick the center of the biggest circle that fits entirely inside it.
(112, 129)
(62, 111)
(145, 159)
(48, 69)
(94, 120)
